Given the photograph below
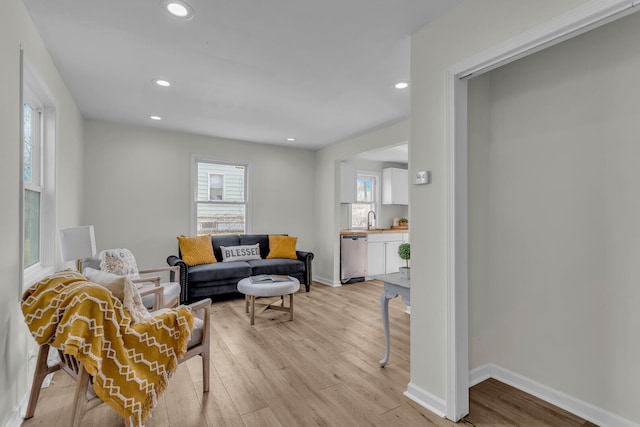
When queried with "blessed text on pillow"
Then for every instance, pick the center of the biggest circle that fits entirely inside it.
(240, 253)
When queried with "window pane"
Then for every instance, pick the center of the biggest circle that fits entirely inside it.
(364, 189)
(28, 144)
(214, 218)
(359, 212)
(31, 228)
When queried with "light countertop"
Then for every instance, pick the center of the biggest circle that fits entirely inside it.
(375, 231)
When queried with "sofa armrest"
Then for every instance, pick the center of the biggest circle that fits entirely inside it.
(306, 257)
(173, 261)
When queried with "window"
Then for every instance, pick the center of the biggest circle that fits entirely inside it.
(216, 186)
(367, 197)
(31, 175)
(221, 198)
(37, 209)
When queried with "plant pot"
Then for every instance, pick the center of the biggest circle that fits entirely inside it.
(405, 273)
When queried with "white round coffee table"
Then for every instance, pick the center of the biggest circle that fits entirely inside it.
(281, 288)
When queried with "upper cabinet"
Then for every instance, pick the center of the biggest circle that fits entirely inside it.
(395, 186)
(347, 182)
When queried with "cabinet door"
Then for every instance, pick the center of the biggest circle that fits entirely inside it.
(375, 258)
(395, 186)
(393, 262)
(347, 183)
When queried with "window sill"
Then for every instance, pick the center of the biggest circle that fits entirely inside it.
(33, 275)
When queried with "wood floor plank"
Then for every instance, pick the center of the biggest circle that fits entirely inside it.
(321, 369)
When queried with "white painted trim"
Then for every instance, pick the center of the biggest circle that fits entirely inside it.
(562, 400)
(563, 27)
(425, 399)
(457, 248)
(16, 417)
(328, 282)
(577, 21)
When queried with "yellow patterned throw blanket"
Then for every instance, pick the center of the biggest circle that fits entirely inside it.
(130, 363)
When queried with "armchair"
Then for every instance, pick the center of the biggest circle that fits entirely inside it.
(123, 263)
(49, 298)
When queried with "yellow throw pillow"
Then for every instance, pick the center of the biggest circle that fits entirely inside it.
(196, 250)
(282, 247)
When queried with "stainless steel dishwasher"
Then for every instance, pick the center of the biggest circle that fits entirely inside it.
(353, 258)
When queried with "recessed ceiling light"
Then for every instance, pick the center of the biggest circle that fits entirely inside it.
(161, 82)
(155, 117)
(291, 139)
(179, 9)
(402, 85)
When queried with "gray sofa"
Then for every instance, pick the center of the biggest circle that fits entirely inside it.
(208, 280)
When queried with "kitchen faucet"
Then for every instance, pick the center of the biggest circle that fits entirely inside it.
(369, 219)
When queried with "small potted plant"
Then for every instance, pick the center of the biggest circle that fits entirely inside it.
(404, 250)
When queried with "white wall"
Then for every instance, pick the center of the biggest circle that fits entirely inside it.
(138, 187)
(16, 31)
(556, 184)
(326, 265)
(470, 28)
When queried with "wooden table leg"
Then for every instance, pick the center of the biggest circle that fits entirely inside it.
(253, 309)
(290, 306)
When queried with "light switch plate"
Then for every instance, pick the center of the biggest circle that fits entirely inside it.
(423, 177)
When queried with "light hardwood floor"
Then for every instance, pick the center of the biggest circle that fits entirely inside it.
(319, 370)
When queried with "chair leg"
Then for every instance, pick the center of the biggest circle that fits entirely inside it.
(80, 402)
(42, 370)
(80, 398)
(205, 370)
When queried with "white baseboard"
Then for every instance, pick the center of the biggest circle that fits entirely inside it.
(562, 400)
(424, 398)
(327, 282)
(15, 419)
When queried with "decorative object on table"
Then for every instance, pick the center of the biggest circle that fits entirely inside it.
(77, 243)
(404, 251)
(269, 278)
(403, 222)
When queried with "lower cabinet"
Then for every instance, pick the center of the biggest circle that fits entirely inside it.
(382, 252)
(376, 254)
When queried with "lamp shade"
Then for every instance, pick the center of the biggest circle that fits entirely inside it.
(77, 243)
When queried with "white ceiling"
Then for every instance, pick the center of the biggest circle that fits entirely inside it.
(255, 70)
(396, 154)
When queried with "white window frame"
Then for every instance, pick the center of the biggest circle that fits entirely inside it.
(34, 90)
(376, 194)
(195, 159)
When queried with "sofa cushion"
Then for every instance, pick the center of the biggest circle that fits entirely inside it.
(240, 253)
(219, 271)
(196, 250)
(252, 239)
(282, 247)
(276, 266)
(223, 240)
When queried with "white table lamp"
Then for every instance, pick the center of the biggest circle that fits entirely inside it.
(77, 243)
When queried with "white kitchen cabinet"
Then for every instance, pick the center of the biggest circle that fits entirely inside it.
(395, 186)
(347, 182)
(392, 260)
(376, 258)
(382, 252)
